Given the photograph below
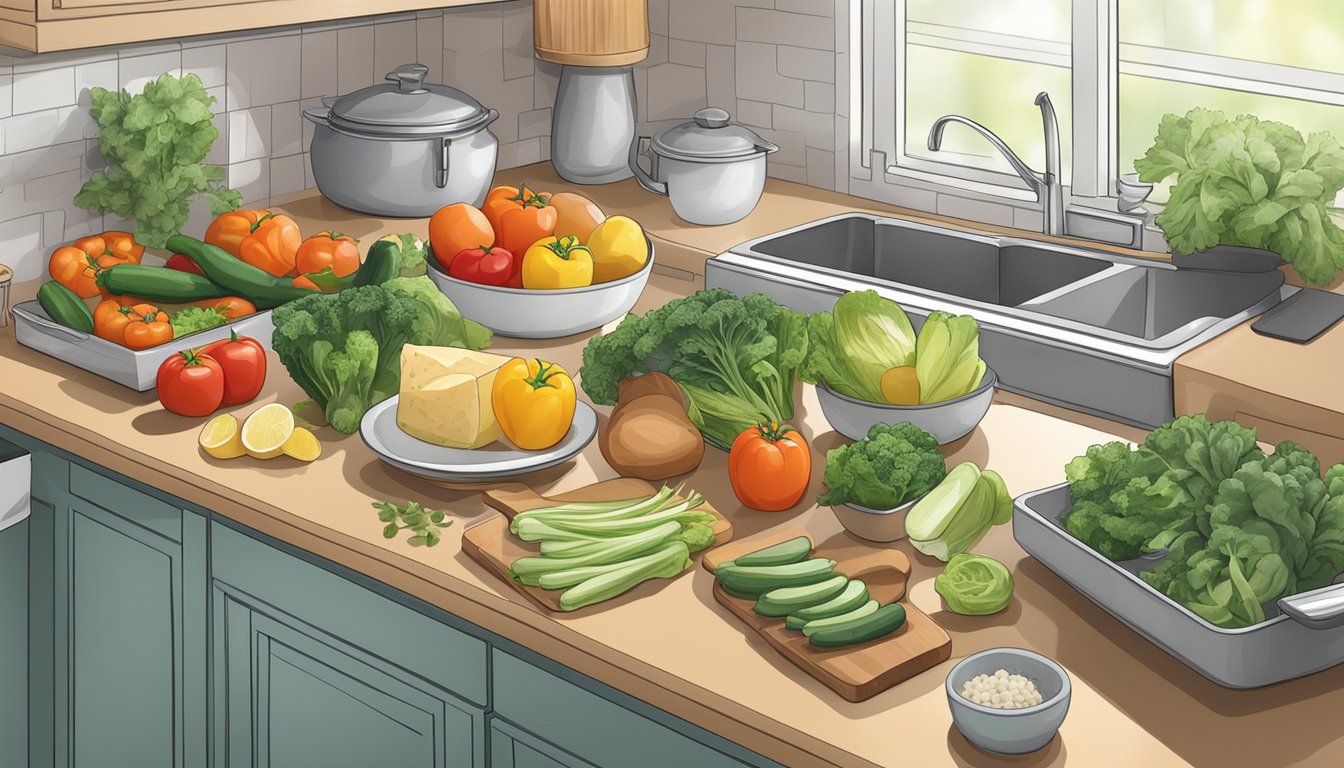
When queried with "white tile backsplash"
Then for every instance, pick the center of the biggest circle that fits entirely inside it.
(770, 62)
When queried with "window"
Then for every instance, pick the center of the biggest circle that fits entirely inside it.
(1111, 67)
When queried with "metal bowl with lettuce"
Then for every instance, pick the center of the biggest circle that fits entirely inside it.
(870, 367)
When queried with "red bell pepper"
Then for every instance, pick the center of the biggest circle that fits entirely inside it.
(183, 264)
(487, 266)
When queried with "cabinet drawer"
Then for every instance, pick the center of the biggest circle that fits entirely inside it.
(599, 731)
(511, 747)
(125, 502)
(443, 655)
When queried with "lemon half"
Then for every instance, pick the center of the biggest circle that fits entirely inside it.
(302, 445)
(219, 437)
(266, 430)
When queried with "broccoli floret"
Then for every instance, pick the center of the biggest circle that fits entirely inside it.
(344, 349)
(894, 464)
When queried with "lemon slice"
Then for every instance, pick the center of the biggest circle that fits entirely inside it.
(302, 445)
(219, 437)
(266, 430)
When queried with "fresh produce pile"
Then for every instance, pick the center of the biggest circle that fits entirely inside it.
(866, 348)
(595, 551)
(735, 359)
(831, 609)
(344, 349)
(893, 465)
(1240, 528)
(1250, 182)
(525, 239)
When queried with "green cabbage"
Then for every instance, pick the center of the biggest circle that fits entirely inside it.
(853, 344)
(975, 585)
(947, 357)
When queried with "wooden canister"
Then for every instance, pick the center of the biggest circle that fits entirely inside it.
(591, 33)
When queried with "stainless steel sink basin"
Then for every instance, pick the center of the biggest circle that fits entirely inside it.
(1084, 328)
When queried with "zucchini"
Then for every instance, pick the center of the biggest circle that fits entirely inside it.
(65, 307)
(879, 623)
(158, 284)
(830, 622)
(751, 582)
(792, 551)
(786, 600)
(235, 276)
(380, 265)
(854, 595)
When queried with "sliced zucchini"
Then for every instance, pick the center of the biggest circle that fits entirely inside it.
(786, 600)
(835, 621)
(879, 623)
(794, 550)
(854, 595)
(750, 582)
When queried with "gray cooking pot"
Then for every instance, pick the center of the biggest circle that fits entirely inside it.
(403, 149)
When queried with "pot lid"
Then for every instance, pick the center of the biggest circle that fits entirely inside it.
(710, 137)
(408, 106)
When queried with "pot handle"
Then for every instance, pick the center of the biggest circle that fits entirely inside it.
(648, 180)
(1318, 609)
(317, 115)
(441, 162)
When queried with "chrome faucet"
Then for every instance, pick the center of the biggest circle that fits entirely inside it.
(1049, 191)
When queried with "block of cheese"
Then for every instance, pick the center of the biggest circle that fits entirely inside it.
(445, 395)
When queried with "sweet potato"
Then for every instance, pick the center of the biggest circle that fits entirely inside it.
(649, 435)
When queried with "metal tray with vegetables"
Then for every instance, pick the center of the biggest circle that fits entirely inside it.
(1221, 553)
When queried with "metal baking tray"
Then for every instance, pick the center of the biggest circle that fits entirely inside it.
(128, 367)
(1304, 635)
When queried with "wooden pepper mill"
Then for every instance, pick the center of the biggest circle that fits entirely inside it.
(593, 123)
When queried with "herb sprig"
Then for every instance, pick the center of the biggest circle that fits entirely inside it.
(424, 524)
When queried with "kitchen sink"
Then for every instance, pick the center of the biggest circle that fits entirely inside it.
(1087, 329)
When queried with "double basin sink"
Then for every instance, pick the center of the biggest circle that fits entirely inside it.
(1086, 329)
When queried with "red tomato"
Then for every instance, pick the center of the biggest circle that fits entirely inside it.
(243, 360)
(769, 467)
(486, 265)
(191, 384)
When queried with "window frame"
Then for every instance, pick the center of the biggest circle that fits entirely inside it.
(879, 168)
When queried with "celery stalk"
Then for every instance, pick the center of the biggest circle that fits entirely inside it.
(527, 569)
(670, 560)
(595, 510)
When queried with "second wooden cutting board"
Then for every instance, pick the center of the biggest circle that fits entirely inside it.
(861, 671)
(490, 543)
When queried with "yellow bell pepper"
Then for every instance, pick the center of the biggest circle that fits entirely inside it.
(557, 262)
(619, 249)
(533, 402)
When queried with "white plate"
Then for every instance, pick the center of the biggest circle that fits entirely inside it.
(498, 459)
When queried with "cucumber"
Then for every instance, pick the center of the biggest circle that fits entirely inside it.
(792, 551)
(380, 265)
(65, 307)
(751, 582)
(854, 595)
(786, 600)
(831, 622)
(883, 621)
(158, 283)
(235, 276)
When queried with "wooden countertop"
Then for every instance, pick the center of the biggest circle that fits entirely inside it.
(677, 649)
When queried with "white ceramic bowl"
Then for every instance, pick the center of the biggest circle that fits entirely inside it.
(875, 524)
(1010, 731)
(947, 421)
(532, 314)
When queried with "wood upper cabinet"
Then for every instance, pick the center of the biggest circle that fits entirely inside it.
(58, 25)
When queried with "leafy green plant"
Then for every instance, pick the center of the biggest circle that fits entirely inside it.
(1249, 182)
(155, 144)
(424, 524)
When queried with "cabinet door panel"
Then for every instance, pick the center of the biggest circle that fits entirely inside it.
(293, 697)
(125, 643)
(511, 747)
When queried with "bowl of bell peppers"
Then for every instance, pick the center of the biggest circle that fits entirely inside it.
(533, 265)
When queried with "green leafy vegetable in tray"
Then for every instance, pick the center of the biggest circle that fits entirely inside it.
(1241, 528)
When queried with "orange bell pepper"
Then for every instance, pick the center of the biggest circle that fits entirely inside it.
(520, 217)
(76, 266)
(263, 239)
(136, 326)
(326, 257)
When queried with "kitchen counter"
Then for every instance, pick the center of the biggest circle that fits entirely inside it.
(673, 646)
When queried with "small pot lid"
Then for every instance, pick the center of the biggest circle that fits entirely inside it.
(710, 137)
(407, 106)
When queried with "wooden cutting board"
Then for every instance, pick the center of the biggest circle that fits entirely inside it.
(860, 671)
(490, 543)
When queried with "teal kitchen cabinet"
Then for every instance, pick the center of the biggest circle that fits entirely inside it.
(313, 670)
(511, 747)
